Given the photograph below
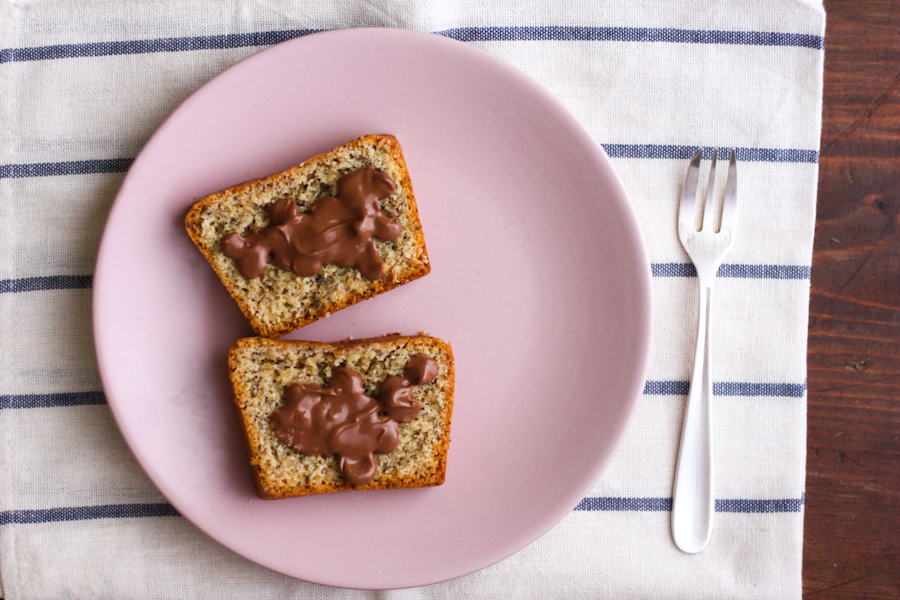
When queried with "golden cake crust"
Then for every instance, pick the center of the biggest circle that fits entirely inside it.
(279, 301)
(260, 371)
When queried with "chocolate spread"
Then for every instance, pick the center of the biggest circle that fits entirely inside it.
(340, 230)
(340, 420)
(396, 392)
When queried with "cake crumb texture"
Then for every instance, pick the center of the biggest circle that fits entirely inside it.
(279, 301)
(262, 369)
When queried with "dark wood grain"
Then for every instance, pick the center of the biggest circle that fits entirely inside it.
(852, 530)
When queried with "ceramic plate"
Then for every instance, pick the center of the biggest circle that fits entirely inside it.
(540, 281)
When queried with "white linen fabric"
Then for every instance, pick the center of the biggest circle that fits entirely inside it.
(84, 84)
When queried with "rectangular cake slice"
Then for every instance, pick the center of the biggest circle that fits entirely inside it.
(365, 414)
(299, 245)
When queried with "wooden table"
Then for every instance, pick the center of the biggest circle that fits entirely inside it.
(852, 537)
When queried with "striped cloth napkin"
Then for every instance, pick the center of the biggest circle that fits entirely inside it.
(84, 84)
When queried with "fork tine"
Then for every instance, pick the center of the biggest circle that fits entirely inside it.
(707, 221)
(729, 206)
(687, 207)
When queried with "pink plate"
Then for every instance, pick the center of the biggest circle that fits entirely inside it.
(540, 282)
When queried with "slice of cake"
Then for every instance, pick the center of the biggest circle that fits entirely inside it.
(366, 414)
(297, 246)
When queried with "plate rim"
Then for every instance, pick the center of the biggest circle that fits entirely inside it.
(643, 281)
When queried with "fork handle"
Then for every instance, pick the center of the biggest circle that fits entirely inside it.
(693, 504)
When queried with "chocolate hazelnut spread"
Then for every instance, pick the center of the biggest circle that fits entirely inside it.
(340, 420)
(396, 392)
(340, 230)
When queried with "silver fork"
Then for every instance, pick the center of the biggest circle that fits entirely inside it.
(693, 502)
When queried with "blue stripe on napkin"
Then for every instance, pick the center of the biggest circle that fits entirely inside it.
(463, 34)
(728, 388)
(649, 151)
(131, 511)
(681, 152)
(784, 390)
(74, 282)
(760, 506)
(783, 505)
(631, 34)
(52, 400)
(627, 504)
(667, 388)
(171, 44)
(734, 270)
(652, 388)
(72, 167)
(40, 284)
(84, 513)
